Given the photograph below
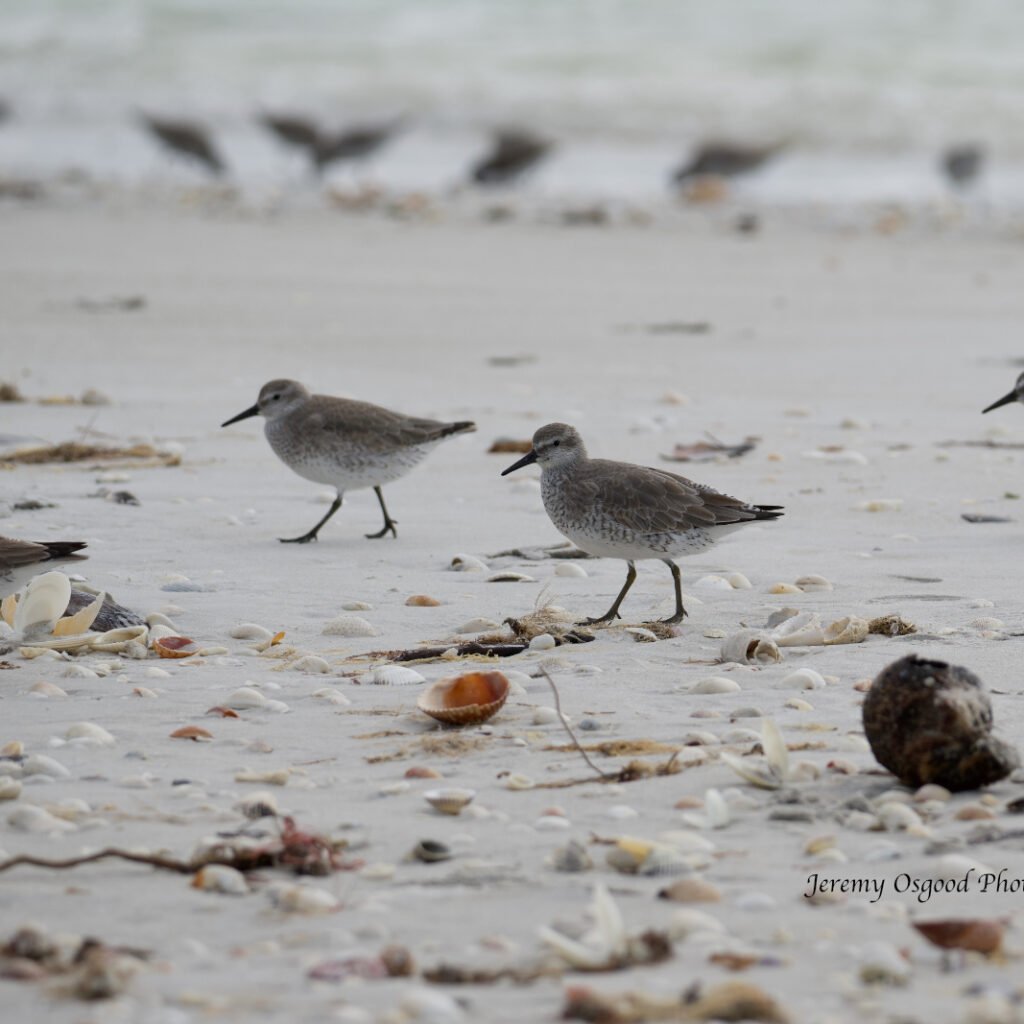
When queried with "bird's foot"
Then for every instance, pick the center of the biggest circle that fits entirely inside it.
(304, 539)
(389, 525)
(600, 620)
(673, 620)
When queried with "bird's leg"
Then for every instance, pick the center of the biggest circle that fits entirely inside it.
(389, 523)
(613, 612)
(680, 612)
(307, 537)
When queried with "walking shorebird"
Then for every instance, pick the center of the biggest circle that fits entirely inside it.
(187, 138)
(1016, 395)
(725, 160)
(20, 560)
(512, 154)
(349, 445)
(618, 510)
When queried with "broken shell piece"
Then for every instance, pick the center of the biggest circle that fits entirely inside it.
(809, 584)
(749, 646)
(468, 699)
(510, 577)
(774, 772)
(449, 801)
(849, 630)
(175, 646)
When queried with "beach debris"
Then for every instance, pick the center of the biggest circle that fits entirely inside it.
(931, 722)
(727, 1001)
(391, 962)
(792, 628)
(141, 455)
(572, 857)
(774, 771)
(891, 625)
(978, 517)
(467, 699)
(430, 851)
(537, 554)
(294, 849)
(607, 946)
(510, 446)
(709, 450)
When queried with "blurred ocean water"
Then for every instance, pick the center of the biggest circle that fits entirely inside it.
(864, 92)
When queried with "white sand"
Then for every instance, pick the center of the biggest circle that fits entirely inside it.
(908, 337)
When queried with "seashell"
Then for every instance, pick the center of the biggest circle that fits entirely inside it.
(41, 764)
(738, 581)
(478, 625)
(89, 733)
(331, 695)
(468, 563)
(517, 782)
(277, 706)
(430, 851)
(37, 819)
(159, 632)
(572, 857)
(394, 788)
(249, 631)
(191, 732)
(932, 791)
(15, 748)
(395, 675)
(662, 861)
(882, 964)
(45, 689)
(449, 801)
(784, 588)
(543, 642)
(220, 878)
(10, 789)
(975, 935)
(510, 577)
(175, 646)
(421, 772)
(116, 640)
(422, 601)
(378, 872)
(274, 777)
(713, 583)
(803, 679)
(750, 646)
(691, 890)
(467, 699)
(896, 817)
(222, 711)
(312, 664)
(974, 812)
(302, 899)
(349, 625)
(547, 716)
(245, 697)
(812, 583)
(551, 823)
(40, 605)
(686, 922)
(261, 804)
(570, 569)
(849, 630)
(716, 684)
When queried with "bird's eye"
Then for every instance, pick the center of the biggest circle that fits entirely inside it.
(276, 397)
(555, 444)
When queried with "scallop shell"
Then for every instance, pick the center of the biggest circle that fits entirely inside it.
(395, 675)
(349, 625)
(749, 646)
(468, 699)
(449, 801)
(175, 646)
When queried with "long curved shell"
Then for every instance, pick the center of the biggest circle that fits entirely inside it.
(802, 630)
(43, 603)
(80, 621)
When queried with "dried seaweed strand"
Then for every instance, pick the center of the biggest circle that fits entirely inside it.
(568, 729)
(153, 859)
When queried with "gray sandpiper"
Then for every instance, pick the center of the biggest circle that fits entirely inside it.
(347, 444)
(618, 510)
(20, 560)
(1016, 395)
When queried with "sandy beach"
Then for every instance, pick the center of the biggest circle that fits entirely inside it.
(859, 360)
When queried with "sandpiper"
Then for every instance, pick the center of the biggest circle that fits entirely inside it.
(512, 154)
(1016, 395)
(349, 445)
(188, 138)
(20, 559)
(618, 510)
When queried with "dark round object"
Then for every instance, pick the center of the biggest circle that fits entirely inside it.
(928, 721)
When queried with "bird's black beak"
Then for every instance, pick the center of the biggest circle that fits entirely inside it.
(1005, 400)
(527, 460)
(253, 411)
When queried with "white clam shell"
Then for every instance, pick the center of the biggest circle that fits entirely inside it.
(686, 922)
(713, 583)
(10, 789)
(30, 818)
(738, 581)
(716, 684)
(810, 584)
(331, 695)
(803, 679)
(468, 563)
(395, 675)
(90, 733)
(478, 625)
(449, 801)
(312, 664)
(41, 764)
(250, 631)
(221, 878)
(42, 603)
(570, 569)
(750, 646)
(349, 625)
(47, 689)
(245, 697)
